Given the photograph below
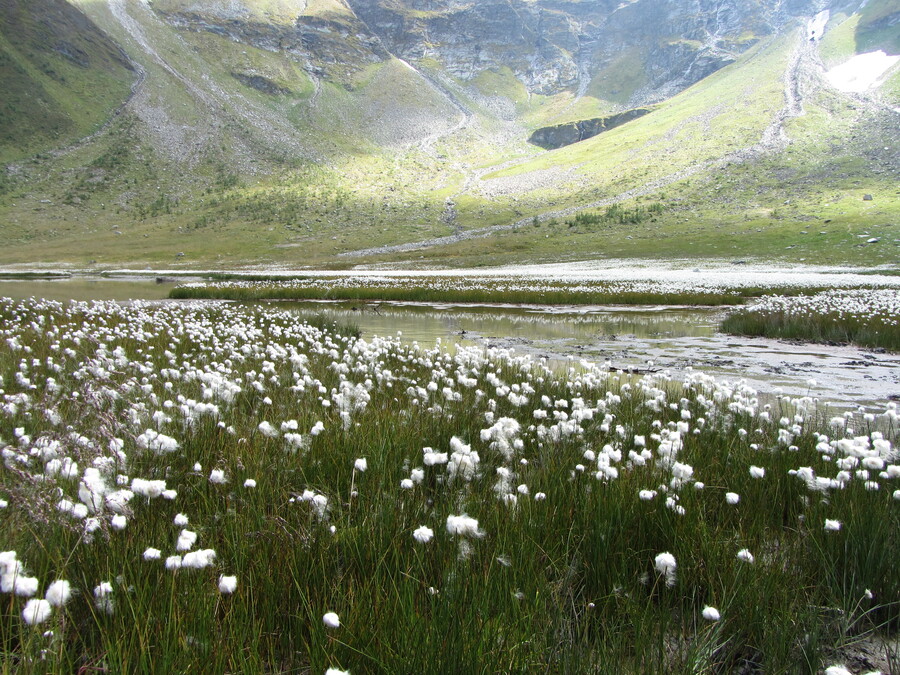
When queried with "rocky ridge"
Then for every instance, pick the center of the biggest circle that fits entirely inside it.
(548, 45)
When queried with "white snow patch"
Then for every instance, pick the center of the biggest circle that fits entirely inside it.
(816, 27)
(862, 72)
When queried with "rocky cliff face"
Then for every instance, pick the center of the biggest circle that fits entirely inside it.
(550, 45)
(560, 135)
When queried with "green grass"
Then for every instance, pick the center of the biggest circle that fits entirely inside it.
(253, 287)
(419, 291)
(862, 324)
(53, 60)
(120, 200)
(563, 584)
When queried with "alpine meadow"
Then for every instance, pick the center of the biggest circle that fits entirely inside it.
(449, 336)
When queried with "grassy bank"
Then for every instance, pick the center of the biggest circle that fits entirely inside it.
(863, 318)
(213, 482)
(509, 289)
(549, 294)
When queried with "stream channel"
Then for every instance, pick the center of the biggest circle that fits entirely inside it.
(637, 338)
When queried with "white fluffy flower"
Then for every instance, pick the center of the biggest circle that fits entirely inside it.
(424, 534)
(745, 555)
(463, 525)
(832, 525)
(58, 593)
(148, 488)
(103, 597)
(19, 584)
(227, 584)
(711, 613)
(36, 611)
(732, 497)
(432, 458)
(331, 620)
(198, 559)
(267, 430)
(152, 554)
(217, 476)
(757, 472)
(666, 565)
(186, 540)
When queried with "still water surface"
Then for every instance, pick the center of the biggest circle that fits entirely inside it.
(672, 338)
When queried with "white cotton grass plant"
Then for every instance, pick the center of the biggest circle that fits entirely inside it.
(468, 507)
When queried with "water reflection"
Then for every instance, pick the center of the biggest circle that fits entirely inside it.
(638, 338)
(467, 323)
(87, 288)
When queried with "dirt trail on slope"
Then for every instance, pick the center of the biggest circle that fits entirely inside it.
(426, 145)
(803, 70)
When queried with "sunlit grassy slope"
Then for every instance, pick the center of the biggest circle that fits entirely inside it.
(236, 155)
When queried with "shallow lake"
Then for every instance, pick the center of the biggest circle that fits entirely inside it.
(663, 338)
(86, 288)
(637, 338)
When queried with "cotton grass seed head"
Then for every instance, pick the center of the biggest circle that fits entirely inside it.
(36, 611)
(463, 526)
(666, 565)
(423, 534)
(227, 585)
(832, 525)
(745, 555)
(331, 620)
(58, 593)
(711, 613)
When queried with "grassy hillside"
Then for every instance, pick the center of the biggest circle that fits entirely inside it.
(60, 76)
(232, 154)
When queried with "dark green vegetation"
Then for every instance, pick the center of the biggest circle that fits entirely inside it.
(421, 291)
(563, 583)
(617, 215)
(469, 289)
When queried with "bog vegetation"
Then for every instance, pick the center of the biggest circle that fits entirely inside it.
(221, 488)
(864, 318)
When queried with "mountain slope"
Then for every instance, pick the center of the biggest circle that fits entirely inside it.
(275, 132)
(52, 60)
